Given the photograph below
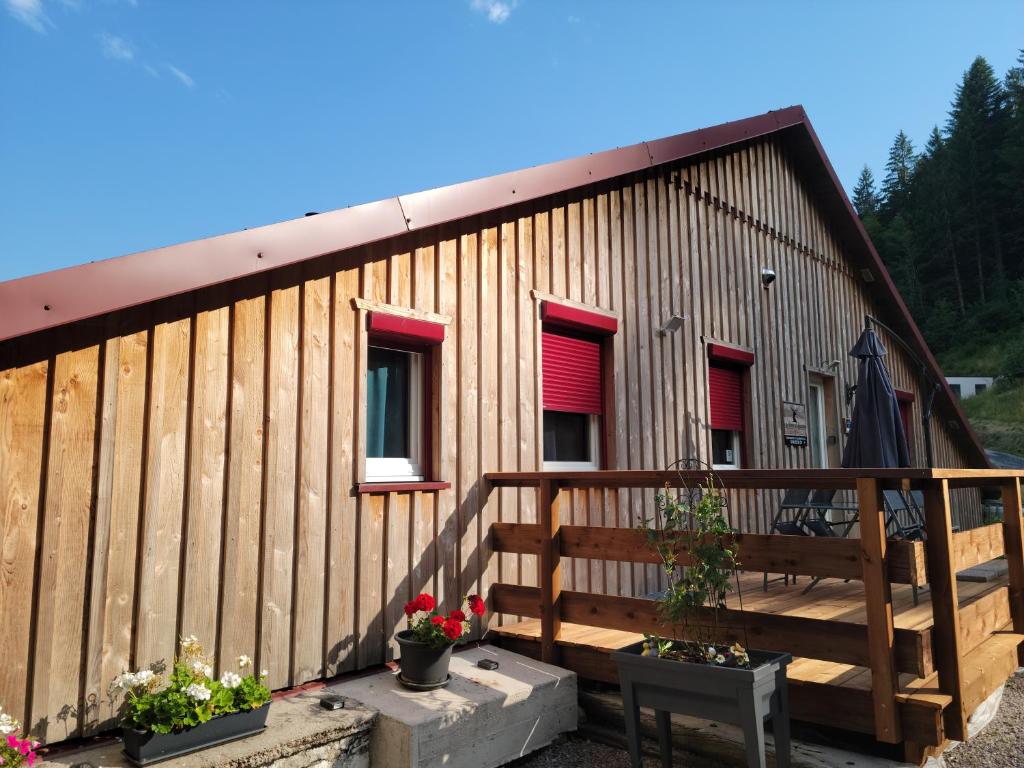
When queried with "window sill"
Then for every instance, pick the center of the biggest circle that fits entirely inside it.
(412, 485)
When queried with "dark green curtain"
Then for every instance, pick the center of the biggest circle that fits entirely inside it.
(387, 403)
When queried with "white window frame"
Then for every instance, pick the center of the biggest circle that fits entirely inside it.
(817, 401)
(407, 469)
(594, 437)
(736, 440)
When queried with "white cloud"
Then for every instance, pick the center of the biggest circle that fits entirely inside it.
(497, 11)
(187, 81)
(575, 19)
(116, 48)
(30, 13)
(151, 70)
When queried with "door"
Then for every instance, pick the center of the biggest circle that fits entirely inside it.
(816, 438)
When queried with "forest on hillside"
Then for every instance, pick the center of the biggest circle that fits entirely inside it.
(948, 220)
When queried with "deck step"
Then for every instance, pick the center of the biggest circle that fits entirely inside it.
(985, 668)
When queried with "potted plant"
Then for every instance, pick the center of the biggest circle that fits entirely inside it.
(189, 710)
(15, 750)
(702, 669)
(426, 646)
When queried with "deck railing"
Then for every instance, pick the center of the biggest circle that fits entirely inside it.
(873, 559)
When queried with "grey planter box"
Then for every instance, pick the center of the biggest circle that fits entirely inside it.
(145, 748)
(742, 697)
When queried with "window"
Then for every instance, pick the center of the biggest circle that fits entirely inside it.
(725, 449)
(573, 344)
(979, 388)
(394, 415)
(726, 391)
(572, 400)
(956, 389)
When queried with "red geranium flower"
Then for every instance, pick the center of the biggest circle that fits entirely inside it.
(476, 605)
(437, 621)
(453, 630)
(457, 615)
(425, 602)
(411, 607)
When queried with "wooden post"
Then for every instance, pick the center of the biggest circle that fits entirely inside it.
(550, 571)
(945, 604)
(878, 605)
(1013, 541)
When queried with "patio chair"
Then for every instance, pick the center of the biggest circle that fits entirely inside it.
(821, 503)
(795, 500)
(904, 518)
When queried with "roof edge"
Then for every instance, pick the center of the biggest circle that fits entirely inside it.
(68, 295)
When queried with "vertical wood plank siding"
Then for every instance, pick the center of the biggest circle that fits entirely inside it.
(188, 467)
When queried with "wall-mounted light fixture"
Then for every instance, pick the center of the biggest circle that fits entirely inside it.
(671, 325)
(768, 276)
(832, 365)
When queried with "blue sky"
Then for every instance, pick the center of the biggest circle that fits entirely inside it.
(131, 124)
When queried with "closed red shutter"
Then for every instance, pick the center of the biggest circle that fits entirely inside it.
(571, 374)
(726, 385)
(905, 417)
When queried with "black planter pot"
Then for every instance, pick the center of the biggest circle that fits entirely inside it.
(423, 667)
(146, 748)
(742, 697)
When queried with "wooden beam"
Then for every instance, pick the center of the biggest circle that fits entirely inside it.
(879, 610)
(945, 605)
(1013, 536)
(983, 616)
(757, 478)
(800, 555)
(977, 545)
(825, 639)
(550, 562)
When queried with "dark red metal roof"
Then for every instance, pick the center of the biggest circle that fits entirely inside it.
(52, 299)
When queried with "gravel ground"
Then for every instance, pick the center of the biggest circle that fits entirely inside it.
(577, 752)
(1001, 743)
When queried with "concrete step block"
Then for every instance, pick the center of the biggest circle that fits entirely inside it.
(482, 719)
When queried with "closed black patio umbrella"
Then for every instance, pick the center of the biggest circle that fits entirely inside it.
(877, 438)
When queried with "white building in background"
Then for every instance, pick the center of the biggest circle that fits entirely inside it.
(969, 386)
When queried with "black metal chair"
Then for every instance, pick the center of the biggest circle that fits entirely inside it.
(794, 500)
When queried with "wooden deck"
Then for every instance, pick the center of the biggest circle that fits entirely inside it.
(867, 658)
(989, 659)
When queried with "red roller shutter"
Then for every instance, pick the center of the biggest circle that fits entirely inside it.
(571, 374)
(726, 385)
(905, 417)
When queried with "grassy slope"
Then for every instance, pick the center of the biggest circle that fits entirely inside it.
(998, 414)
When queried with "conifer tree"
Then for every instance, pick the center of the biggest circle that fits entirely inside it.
(898, 170)
(976, 122)
(865, 198)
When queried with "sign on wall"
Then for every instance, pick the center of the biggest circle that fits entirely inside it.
(794, 423)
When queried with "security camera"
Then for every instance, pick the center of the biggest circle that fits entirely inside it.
(767, 276)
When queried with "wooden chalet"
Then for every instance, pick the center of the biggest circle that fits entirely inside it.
(271, 439)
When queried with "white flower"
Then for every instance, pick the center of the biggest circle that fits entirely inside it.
(711, 652)
(264, 673)
(203, 669)
(8, 725)
(198, 692)
(719, 659)
(143, 676)
(189, 642)
(126, 681)
(230, 680)
(244, 661)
